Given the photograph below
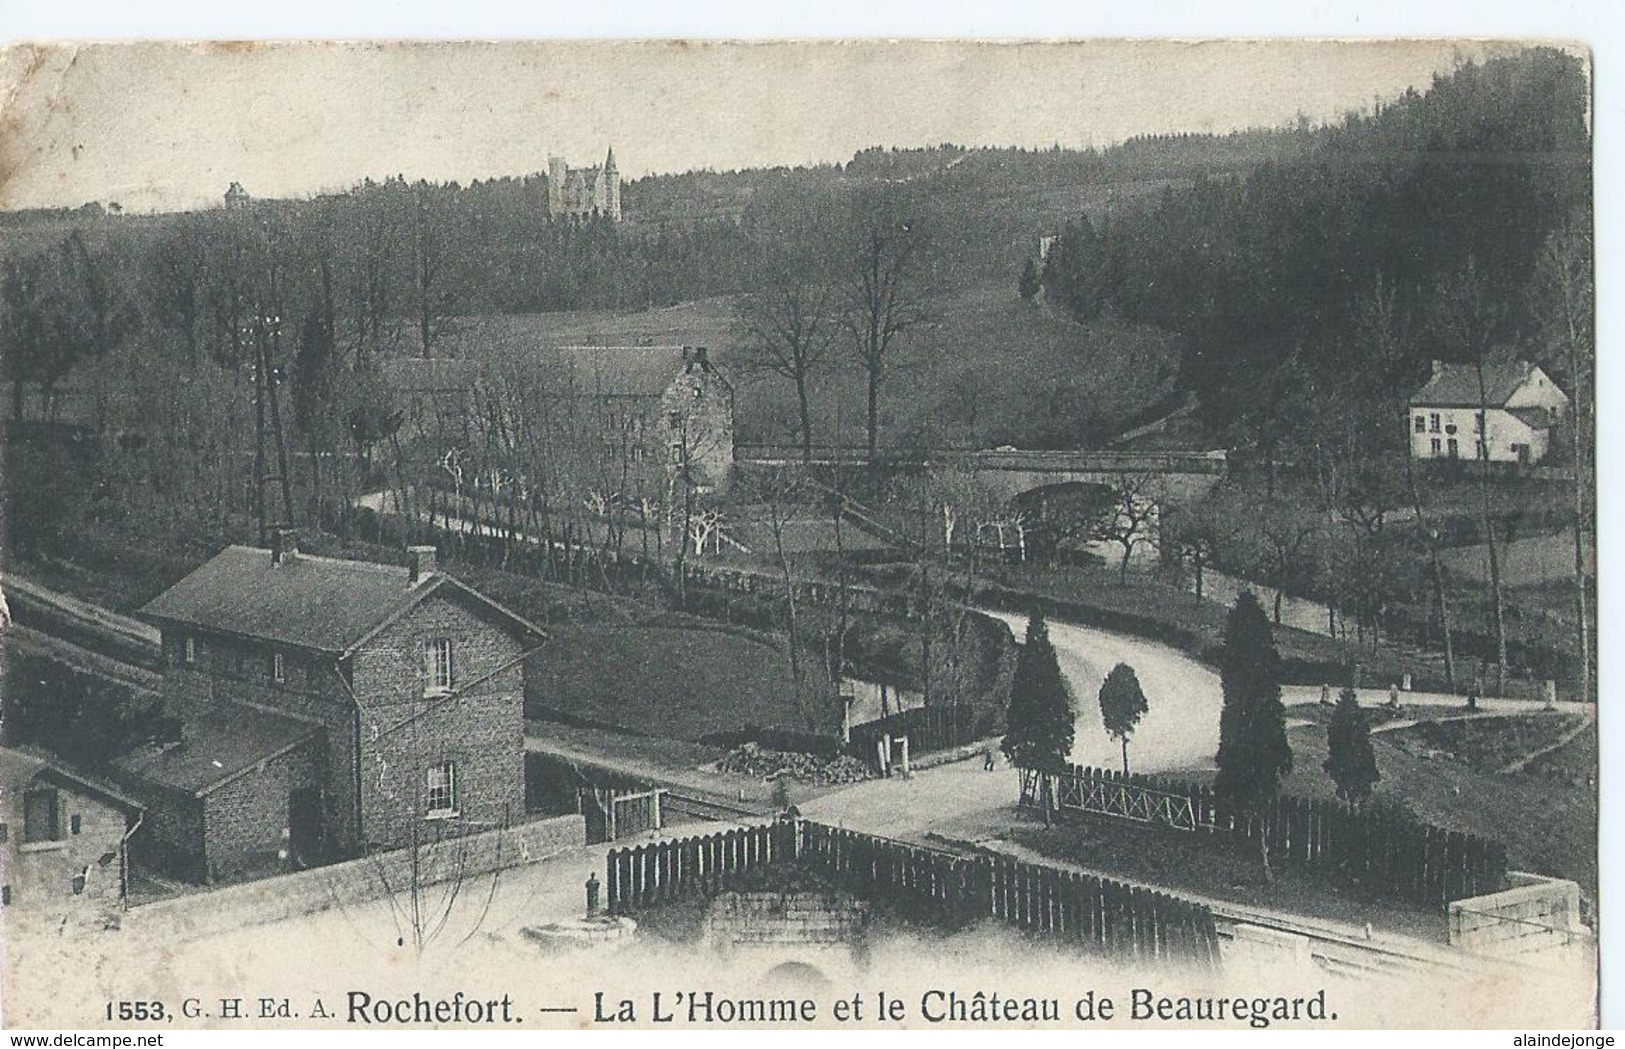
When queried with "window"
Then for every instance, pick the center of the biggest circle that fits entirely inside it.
(1437, 448)
(5, 895)
(438, 670)
(1478, 422)
(674, 419)
(676, 454)
(1421, 424)
(440, 788)
(40, 816)
(278, 670)
(1433, 422)
(5, 833)
(189, 645)
(73, 824)
(1455, 452)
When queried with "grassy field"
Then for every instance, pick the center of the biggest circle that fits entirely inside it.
(1548, 826)
(1207, 866)
(682, 682)
(1487, 744)
(985, 369)
(1524, 562)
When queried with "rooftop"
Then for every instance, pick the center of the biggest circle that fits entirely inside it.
(19, 766)
(1455, 385)
(217, 749)
(311, 602)
(518, 347)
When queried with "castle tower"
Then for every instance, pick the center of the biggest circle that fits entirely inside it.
(581, 193)
(612, 188)
(557, 172)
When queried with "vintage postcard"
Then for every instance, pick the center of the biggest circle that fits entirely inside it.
(843, 535)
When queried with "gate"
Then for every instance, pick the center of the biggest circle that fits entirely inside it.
(613, 815)
(1109, 797)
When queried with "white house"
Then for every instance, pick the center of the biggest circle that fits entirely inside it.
(1522, 405)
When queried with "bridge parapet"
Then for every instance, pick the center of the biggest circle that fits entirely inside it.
(1028, 461)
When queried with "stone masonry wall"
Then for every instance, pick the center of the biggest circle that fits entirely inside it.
(288, 896)
(231, 669)
(41, 874)
(481, 730)
(245, 823)
(703, 406)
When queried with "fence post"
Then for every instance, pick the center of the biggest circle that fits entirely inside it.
(612, 882)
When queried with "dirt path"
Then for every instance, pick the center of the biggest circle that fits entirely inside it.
(1513, 768)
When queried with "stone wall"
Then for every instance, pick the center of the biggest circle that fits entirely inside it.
(245, 822)
(356, 881)
(697, 417)
(403, 732)
(1537, 913)
(785, 918)
(40, 876)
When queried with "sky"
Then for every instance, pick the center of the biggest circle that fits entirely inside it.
(164, 126)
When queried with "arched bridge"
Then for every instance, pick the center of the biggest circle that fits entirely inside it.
(1166, 476)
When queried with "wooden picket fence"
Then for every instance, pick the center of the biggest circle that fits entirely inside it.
(662, 871)
(1094, 914)
(927, 728)
(1374, 848)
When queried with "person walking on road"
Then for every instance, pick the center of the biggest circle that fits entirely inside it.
(988, 763)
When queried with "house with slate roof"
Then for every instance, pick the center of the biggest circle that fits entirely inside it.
(329, 708)
(1509, 419)
(632, 413)
(63, 835)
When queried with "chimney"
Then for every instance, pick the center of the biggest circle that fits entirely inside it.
(699, 355)
(688, 356)
(284, 547)
(420, 562)
(1438, 366)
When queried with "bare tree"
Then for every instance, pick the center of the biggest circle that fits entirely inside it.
(1469, 318)
(1386, 335)
(1284, 531)
(1132, 517)
(433, 257)
(783, 493)
(786, 330)
(1200, 530)
(884, 295)
(1566, 303)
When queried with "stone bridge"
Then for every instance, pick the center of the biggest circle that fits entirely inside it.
(1167, 477)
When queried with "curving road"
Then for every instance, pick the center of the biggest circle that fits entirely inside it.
(1181, 727)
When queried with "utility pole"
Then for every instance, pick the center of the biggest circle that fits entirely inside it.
(267, 427)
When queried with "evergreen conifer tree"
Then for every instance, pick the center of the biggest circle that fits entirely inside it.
(1350, 760)
(1042, 718)
(1030, 283)
(1253, 750)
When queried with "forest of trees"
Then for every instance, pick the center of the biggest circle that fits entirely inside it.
(1265, 274)
(1311, 295)
(1311, 273)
